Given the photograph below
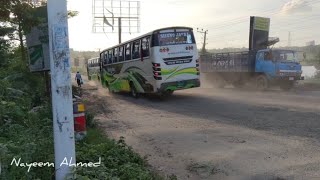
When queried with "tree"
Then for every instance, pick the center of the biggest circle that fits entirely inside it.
(18, 15)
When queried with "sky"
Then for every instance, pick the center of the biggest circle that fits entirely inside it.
(227, 21)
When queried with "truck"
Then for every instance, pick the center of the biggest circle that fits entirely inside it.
(260, 64)
(265, 67)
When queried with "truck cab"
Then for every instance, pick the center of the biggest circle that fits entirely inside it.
(279, 67)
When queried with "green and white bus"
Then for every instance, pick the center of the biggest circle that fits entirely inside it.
(161, 62)
(93, 68)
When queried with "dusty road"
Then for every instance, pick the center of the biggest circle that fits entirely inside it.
(218, 134)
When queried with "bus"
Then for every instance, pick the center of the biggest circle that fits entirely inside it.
(159, 62)
(93, 68)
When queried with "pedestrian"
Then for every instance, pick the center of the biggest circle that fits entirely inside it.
(78, 78)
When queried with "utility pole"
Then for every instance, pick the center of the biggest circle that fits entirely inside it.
(289, 39)
(119, 26)
(204, 39)
(62, 105)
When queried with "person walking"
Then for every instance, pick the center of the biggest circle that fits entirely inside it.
(78, 78)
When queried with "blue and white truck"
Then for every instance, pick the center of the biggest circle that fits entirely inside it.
(266, 67)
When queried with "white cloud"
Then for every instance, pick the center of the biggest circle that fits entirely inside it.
(296, 6)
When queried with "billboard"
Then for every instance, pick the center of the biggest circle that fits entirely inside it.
(38, 43)
(259, 33)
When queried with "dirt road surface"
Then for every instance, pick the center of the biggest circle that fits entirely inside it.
(205, 133)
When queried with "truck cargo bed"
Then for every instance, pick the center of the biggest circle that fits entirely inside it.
(228, 62)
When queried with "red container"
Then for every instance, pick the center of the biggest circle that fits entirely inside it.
(79, 117)
(79, 122)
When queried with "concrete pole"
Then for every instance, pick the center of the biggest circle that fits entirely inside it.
(204, 39)
(119, 26)
(62, 105)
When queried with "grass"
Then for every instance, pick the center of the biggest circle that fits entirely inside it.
(312, 81)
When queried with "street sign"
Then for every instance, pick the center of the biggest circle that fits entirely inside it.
(37, 43)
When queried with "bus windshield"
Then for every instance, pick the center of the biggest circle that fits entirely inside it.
(173, 38)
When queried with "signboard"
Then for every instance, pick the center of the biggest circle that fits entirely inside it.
(38, 44)
(259, 33)
(262, 24)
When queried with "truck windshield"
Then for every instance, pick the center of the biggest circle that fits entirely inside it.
(284, 55)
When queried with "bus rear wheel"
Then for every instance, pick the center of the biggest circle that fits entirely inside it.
(168, 93)
(133, 91)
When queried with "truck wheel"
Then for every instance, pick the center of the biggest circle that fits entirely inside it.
(262, 83)
(286, 86)
(133, 91)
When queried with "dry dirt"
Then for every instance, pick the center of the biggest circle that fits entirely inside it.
(205, 133)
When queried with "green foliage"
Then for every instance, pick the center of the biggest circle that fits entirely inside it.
(90, 121)
(118, 161)
(72, 14)
(25, 133)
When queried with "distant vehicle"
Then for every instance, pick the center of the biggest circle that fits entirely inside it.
(93, 68)
(161, 62)
(266, 67)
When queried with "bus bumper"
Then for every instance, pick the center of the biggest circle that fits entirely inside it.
(178, 85)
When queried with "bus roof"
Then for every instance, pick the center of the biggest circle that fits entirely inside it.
(152, 32)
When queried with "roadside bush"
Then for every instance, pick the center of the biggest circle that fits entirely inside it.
(90, 121)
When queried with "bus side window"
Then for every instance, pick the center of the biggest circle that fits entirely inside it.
(128, 52)
(136, 50)
(115, 55)
(121, 54)
(105, 58)
(145, 47)
(110, 57)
